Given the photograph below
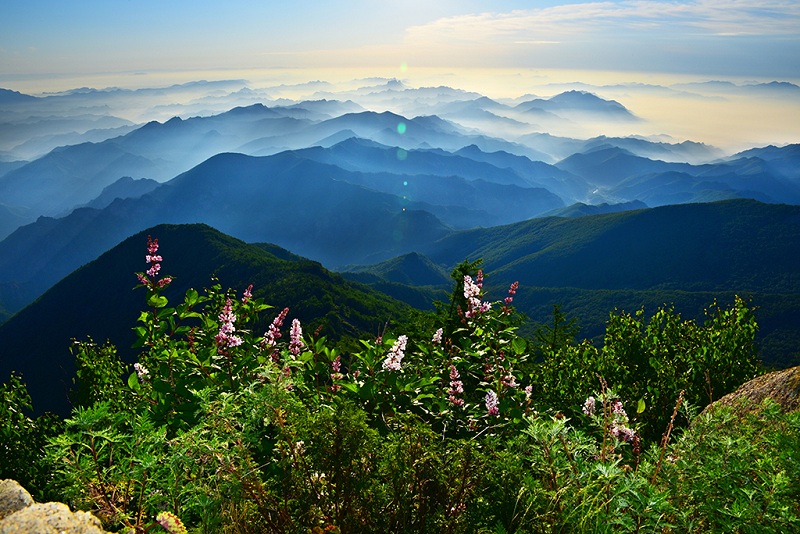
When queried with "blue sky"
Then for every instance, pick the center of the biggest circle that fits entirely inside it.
(743, 39)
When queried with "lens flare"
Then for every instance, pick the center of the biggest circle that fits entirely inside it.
(401, 128)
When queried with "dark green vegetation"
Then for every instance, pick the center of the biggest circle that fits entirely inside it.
(455, 425)
(683, 255)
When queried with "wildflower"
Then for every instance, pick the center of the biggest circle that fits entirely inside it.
(296, 338)
(225, 337)
(492, 403)
(336, 366)
(456, 387)
(152, 257)
(511, 292)
(618, 409)
(622, 432)
(472, 291)
(248, 294)
(396, 353)
(510, 298)
(589, 406)
(272, 335)
(171, 523)
(509, 380)
(437, 337)
(141, 371)
(528, 391)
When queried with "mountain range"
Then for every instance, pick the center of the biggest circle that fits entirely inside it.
(393, 186)
(687, 256)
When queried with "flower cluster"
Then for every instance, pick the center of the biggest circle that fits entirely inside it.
(510, 298)
(472, 292)
(618, 419)
(396, 353)
(437, 336)
(225, 337)
(528, 392)
(248, 294)
(153, 259)
(492, 403)
(589, 406)
(336, 375)
(296, 338)
(456, 387)
(619, 425)
(509, 380)
(141, 372)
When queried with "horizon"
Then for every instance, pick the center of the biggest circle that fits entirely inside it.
(502, 51)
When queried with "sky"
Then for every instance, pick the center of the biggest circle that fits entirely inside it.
(499, 48)
(727, 39)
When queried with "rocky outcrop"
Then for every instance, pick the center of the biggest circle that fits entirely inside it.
(783, 387)
(20, 514)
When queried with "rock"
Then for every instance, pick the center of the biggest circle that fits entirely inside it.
(783, 387)
(13, 497)
(20, 514)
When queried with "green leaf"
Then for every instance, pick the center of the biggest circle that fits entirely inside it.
(519, 345)
(157, 301)
(133, 382)
(641, 406)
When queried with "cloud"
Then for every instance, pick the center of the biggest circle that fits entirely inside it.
(722, 37)
(664, 18)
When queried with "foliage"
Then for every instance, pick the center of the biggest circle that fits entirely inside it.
(461, 425)
(23, 439)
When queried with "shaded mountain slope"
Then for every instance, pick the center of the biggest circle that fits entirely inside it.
(728, 245)
(291, 201)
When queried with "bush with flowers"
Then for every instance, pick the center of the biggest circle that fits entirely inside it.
(465, 427)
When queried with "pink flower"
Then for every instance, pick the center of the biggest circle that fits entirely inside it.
(492, 403)
(272, 335)
(509, 380)
(141, 372)
(456, 387)
(225, 337)
(623, 433)
(396, 353)
(472, 291)
(437, 337)
(336, 367)
(589, 406)
(248, 294)
(511, 292)
(296, 338)
(153, 259)
(528, 391)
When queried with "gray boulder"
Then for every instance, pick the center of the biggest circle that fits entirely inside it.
(20, 514)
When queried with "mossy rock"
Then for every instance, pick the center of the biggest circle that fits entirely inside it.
(783, 387)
